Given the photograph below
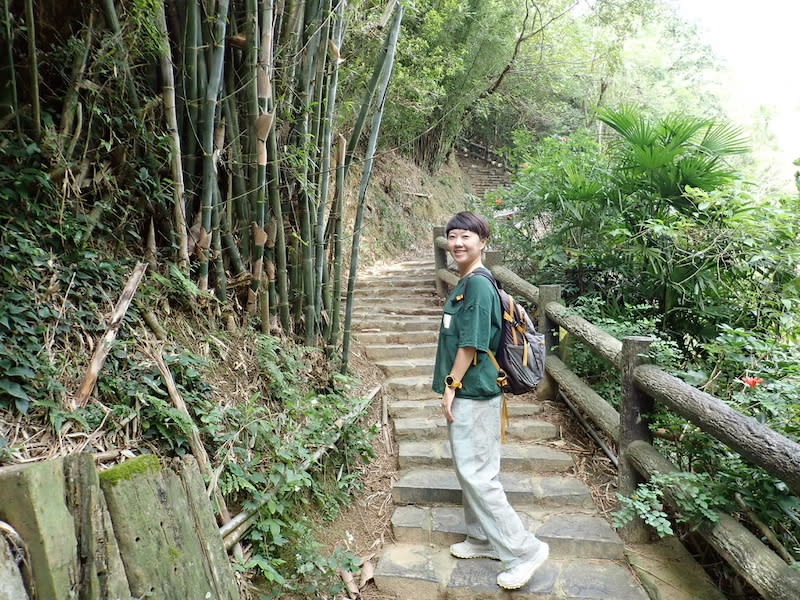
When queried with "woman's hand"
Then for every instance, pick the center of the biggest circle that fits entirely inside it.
(447, 404)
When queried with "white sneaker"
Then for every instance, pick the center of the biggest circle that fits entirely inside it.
(471, 548)
(515, 577)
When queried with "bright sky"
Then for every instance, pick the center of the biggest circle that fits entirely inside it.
(761, 44)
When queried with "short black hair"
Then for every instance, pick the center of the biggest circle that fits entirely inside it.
(469, 221)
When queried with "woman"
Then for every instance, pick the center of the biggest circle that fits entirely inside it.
(471, 400)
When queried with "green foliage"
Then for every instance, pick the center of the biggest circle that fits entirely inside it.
(628, 224)
(692, 494)
(262, 446)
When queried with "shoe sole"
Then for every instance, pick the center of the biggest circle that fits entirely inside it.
(533, 572)
(486, 555)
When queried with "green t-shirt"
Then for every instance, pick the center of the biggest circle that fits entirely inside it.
(472, 318)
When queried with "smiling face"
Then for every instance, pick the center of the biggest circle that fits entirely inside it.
(465, 247)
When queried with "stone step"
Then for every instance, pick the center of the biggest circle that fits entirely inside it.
(569, 535)
(383, 290)
(395, 323)
(440, 486)
(393, 303)
(515, 457)
(422, 428)
(431, 408)
(400, 281)
(402, 337)
(419, 571)
(377, 352)
(401, 268)
(409, 388)
(377, 314)
(410, 367)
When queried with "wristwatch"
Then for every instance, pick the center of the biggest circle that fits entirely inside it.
(451, 382)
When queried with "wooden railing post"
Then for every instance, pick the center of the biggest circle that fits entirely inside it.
(440, 260)
(548, 388)
(633, 426)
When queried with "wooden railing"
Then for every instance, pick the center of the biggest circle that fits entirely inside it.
(483, 152)
(643, 385)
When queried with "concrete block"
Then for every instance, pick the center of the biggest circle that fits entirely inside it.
(167, 536)
(102, 573)
(32, 501)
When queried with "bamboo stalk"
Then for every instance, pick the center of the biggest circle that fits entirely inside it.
(282, 275)
(12, 71)
(336, 228)
(191, 86)
(250, 89)
(110, 12)
(176, 165)
(308, 223)
(104, 345)
(325, 162)
(262, 126)
(71, 105)
(34, 67)
(217, 43)
(238, 195)
(365, 177)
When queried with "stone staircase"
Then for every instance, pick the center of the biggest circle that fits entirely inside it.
(482, 175)
(396, 319)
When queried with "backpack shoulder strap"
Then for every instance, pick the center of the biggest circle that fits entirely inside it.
(483, 271)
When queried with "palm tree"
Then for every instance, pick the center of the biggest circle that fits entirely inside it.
(661, 158)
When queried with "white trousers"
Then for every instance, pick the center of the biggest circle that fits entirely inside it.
(475, 446)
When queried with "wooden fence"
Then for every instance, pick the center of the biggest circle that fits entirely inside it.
(642, 386)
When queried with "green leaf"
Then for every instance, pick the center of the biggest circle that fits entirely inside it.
(12, 388)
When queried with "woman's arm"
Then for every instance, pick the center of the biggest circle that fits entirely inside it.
(462, 362)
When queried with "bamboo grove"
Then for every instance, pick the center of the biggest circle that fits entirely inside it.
(220, 119)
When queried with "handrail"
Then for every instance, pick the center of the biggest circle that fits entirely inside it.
(769, 574)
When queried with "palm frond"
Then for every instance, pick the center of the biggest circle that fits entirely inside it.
(722, 139)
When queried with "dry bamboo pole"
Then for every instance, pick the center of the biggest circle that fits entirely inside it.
(104, 345)
(207, 138)
(34, 67)
(386, 74)
(195, 442)
(176, 165)
(110, 12)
